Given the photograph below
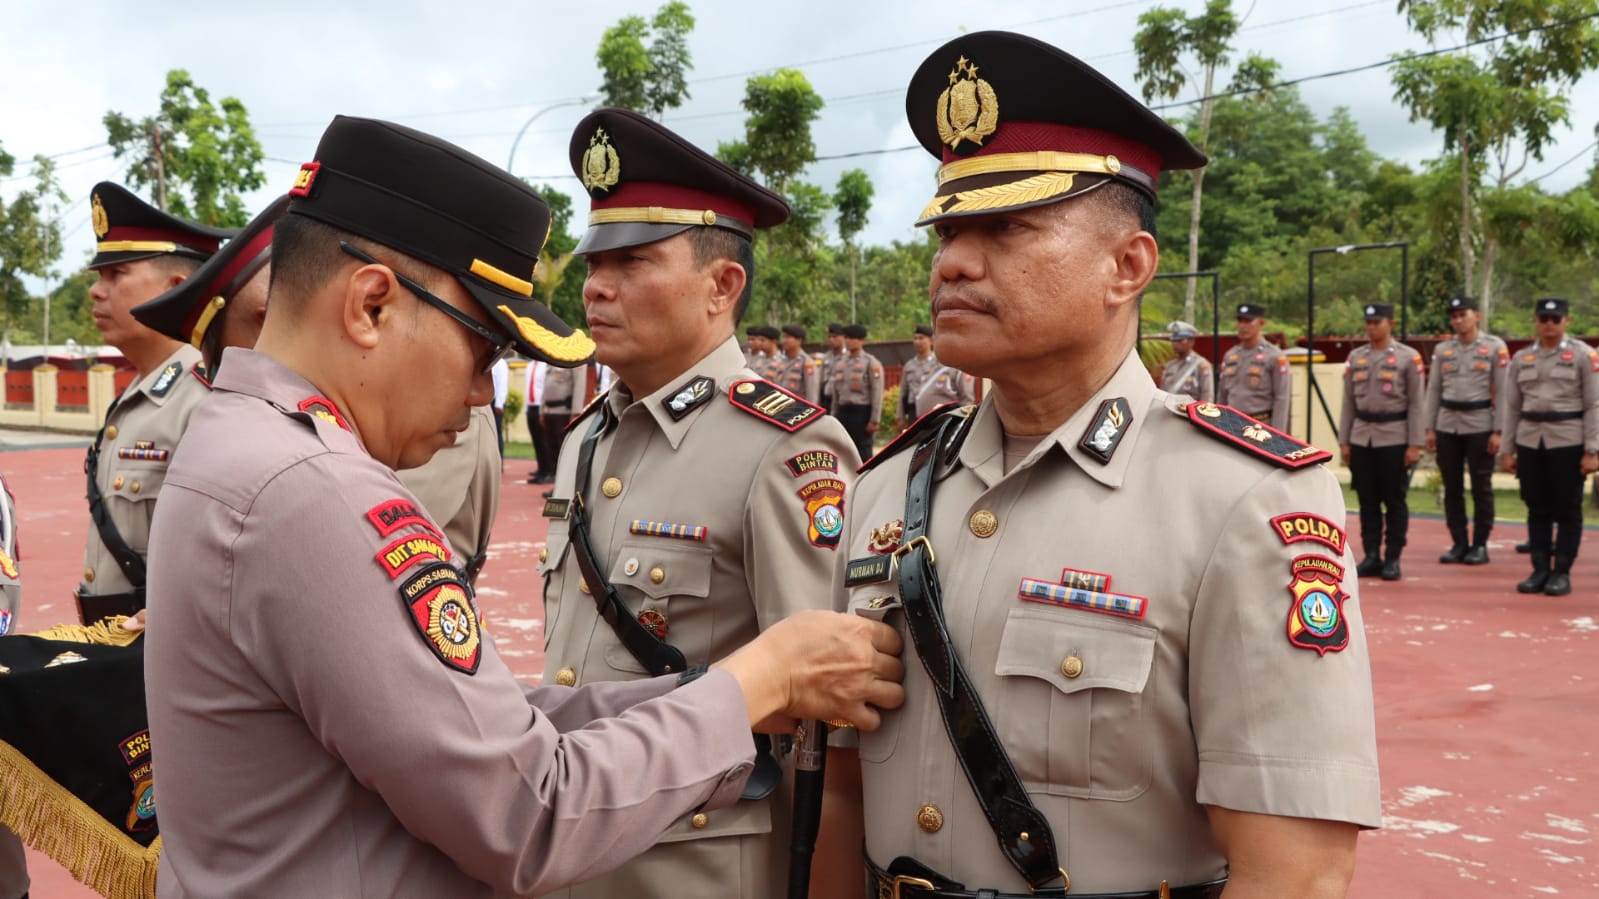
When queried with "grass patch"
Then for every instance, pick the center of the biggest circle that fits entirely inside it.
(1507, 504)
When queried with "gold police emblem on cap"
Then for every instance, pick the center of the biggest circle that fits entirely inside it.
(102, 224)
(968, 109)
(601, 166)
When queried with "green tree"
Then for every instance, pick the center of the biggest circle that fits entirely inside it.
(197, 157)
(555, 282)
(1166, 37)
(1497, 105)
(30, 233)
(649, 79)
(853, 201)
(777, 132)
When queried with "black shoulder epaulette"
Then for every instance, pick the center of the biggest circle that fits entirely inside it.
(771, 403)
(912, 434)
(1257, 438)
(588, 410)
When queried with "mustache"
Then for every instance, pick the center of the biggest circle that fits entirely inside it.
(949, 296)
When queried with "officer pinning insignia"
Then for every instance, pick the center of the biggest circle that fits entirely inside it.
(885, 539)
(440, 607)
(824, 509)
(1229, 425)
(391, 515)
(771, 403)
(1316, 617)
(143, 453)
(323, 409)
(691, 397)
(165, 380)
(1294, 527)
(654, 621)
(408, 551)
(869, 570)
(1105, 432)
(1034, 590)
(667, 529)
(812, 460)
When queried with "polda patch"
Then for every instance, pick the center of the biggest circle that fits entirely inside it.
(440, 607)
(409, 550)
(391, 515)
(1296, 527)
(824, 509)
(1316, 616)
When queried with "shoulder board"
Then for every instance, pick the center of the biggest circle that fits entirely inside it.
(914, 432)
(771, 403)
(594, 404)
(165, 380)
(202, 374)
(1258, 439)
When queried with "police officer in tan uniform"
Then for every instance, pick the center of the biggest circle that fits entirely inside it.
(1381, 431)
(1551, 415)
(916, 372)
(1465, 387)
(858, 390)
(709, 500)
(1187, 373)
(14, 879)
(1105, 629)
(1254, 374)
(945, 385)
(830, 359)
(141, 253)
(305, 616)
(795, 370)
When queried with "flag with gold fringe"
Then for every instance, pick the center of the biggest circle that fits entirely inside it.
(75, 776)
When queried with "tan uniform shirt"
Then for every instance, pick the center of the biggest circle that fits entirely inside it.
(858, 380)
(757, 512)
(1121, 727)
(559, 394)
(760, 363)
(1190, 375)
(914, 376)
(945, 385)
(1383, 382)
(10, 575)
(1256, 381)
(460, 485)
(328, 719)
(1466, 372)
(140, 436)
(1562, 379)
(800, 375)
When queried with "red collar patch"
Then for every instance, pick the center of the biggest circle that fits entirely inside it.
(323, 409)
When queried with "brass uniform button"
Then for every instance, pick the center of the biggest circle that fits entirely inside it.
(566, 677)
(117, 483)
(88, 575)
(657, 575)
(134, 486)
(110, 432)
(611, 487)
(700, 820)
(984, 523)
(544, 553)
(930, 819)
(1071, 666)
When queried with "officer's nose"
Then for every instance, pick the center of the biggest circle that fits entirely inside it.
(956, 260)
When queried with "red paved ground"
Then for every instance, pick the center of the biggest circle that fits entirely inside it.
(1487, 702)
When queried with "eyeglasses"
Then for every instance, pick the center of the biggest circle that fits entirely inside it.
(1549, 318)
(501, 343)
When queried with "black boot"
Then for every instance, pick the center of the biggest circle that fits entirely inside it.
(1535, 583)
(1456, 553)
(1477, 555)
(1390, 569)
(1524, 548)
(1371, 566)
(1559, 583)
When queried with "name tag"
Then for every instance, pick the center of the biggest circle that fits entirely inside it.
(558, 508)
(870, 570)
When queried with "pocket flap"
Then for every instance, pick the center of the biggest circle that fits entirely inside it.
(659, 567)
(1076, 651)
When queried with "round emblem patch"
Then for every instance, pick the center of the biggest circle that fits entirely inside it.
(828, 521)
(1319, 613)
(143, 809)
(653, 621)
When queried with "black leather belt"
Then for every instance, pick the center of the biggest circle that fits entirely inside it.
(1260, 416)
(1551, 416)
(1466, 405)
(914, 879)
(109, 605)
(1378, 417)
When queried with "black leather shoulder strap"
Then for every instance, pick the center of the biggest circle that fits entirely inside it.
(913, 434)
(131, 563)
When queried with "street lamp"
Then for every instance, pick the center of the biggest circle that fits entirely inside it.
(579, 101)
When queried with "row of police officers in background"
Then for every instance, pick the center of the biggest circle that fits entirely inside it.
(1461, 407)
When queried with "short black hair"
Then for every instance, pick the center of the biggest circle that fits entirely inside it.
(1129, 201)
(305, 251)
(175, 264)
(711, 244)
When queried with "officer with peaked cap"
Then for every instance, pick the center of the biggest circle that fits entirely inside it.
(858, 389)
(1140, 662)
(795, 370)
(1465, 387)
(1187, 372)
(696, 505)
(1380, 434)
(915, 373)
(140, 253)
(1551, 417)
(831, 357)
(304, 601)
(1254, 374)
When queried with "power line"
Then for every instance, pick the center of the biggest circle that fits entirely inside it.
(1580, 153)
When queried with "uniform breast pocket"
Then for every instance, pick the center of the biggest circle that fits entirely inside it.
(1526, 374)
(131, 499)
(553, 568)
(1563, 373)
(664, 582)
(1076, 704)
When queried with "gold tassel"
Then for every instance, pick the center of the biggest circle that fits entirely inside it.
(106, 632)
(53, 821)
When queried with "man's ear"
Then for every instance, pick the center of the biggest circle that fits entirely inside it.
(728, 279)
(1137, 260)
(369, 295)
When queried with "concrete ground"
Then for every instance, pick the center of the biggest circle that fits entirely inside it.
(1487, 701)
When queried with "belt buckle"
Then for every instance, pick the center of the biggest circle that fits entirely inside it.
(903, 880)
(925, 544)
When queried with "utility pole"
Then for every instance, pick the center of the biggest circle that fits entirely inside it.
(160, 167)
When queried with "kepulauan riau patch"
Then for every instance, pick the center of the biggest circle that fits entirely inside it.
(1316, 617)
(824, 509)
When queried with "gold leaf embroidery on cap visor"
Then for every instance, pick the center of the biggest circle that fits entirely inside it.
(1001, 196)
(575, 347)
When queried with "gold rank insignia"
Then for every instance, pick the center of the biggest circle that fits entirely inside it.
(602, 168)
(968, 110)
(102, 224)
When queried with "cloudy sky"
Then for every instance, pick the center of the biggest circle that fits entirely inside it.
(474, 72)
